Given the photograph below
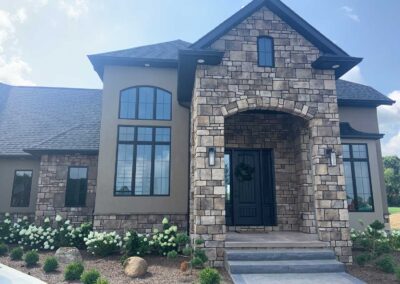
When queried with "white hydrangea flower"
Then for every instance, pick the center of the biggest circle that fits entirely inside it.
(58, 218)
(165, 221)
(47, 220)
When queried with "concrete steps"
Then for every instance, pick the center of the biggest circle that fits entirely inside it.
(268, 261)
(275, 244)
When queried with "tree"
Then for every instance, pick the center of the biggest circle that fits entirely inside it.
(392, 179)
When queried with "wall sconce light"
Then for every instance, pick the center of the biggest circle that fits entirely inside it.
(331, 155)
(211, 156)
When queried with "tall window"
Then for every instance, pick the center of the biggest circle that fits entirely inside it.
(77, 182)
(145, 103)
(143, 161)
(21, 188)
(358, 180)
(265, 51)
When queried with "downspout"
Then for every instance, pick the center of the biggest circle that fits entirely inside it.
(189, 166)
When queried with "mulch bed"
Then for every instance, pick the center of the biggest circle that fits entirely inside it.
(370, 274)
(161, 270)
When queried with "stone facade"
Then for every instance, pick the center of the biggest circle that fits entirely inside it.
(53, 183)
(238, 84)
(142, 223)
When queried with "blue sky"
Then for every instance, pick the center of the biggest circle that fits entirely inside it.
(45, 42)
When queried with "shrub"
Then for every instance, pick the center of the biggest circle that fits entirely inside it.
(3, 249)
(16, 253)
(101, 281)
(386, 264)
(104, 243)
(136, 244)
(362, 259)
(31, 258)
(172, 254)
(50, 264)
(199, 242)
(382, 248)
(73, 271)
(164, 241)
(90, 276)
(201, 254)
(209, 276)
(196, 262)
(187, 251)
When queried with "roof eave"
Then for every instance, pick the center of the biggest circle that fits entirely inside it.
(340, 64)
(364, 103)
(39, 152)
(348, 132)
(99, 62)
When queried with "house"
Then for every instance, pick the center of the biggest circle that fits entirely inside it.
(247, 129)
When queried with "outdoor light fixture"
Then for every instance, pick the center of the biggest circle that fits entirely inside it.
(331, 155)
(201, 61)
(335, 66)
(211, 156)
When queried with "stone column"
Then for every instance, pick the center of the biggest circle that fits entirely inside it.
(330, 197)
(208, 190)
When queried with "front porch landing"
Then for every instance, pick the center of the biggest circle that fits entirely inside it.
(273, 240)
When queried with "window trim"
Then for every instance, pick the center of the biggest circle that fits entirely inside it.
(272, 52)
(66, 187)
(137, 103)
(30, 190)
(352, 160)
(153, 143)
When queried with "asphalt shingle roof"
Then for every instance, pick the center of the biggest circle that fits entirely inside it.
(165, 50)
(349, 91)
(48, 118)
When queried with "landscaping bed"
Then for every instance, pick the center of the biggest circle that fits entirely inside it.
(370, 273)
(161, 270)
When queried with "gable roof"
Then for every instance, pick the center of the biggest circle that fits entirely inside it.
(44, 117)
(355, 94)
(284, 12)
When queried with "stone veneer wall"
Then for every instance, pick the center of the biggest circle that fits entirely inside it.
(277, 132)
(293, 86)
(52, 187)
(142, 223)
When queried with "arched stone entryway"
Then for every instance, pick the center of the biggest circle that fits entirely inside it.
(320, 185)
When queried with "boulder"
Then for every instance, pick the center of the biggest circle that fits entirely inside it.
(135, 267)
(68, 254)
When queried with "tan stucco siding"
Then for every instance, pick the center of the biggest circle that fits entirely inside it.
(360, 118)
(365, 119)
(7, 172)
(117, 78)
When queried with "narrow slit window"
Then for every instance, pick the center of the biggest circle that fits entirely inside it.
(265, 52)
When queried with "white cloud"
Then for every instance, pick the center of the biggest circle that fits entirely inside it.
(74, 8)
(20, 15)
(389, 123)
(349, 12)
(7, 28)
(14, 71)
(354, 75)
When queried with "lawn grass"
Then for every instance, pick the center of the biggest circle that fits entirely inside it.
(393, 210)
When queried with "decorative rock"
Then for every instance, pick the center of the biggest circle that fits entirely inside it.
(68, 254)
(135, 267)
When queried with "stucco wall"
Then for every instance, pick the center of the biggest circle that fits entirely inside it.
(117, 78)
(366, 119)
(7, 172)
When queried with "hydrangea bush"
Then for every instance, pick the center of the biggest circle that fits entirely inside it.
(45, 237)
(103, 243)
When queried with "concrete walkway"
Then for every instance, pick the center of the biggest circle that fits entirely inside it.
(9, 275)
(296, 278)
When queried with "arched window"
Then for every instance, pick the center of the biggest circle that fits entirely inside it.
(265, 46)
(145, 103)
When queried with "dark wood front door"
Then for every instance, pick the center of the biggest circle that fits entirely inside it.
(250, 187)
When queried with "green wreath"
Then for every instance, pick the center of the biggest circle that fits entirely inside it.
(244, 172)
